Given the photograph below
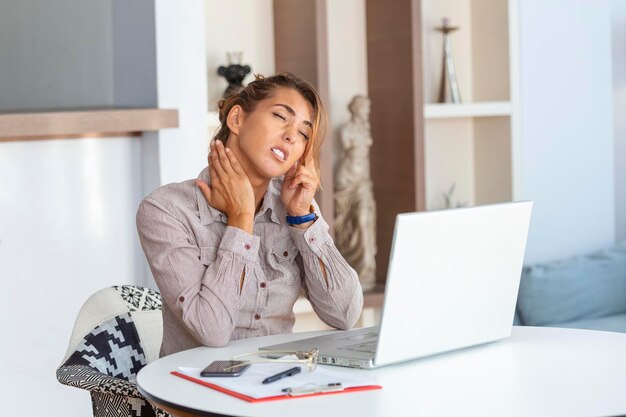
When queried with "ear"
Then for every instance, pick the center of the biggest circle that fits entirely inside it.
(235, 119)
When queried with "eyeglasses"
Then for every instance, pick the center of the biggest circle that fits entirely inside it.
(305, 357)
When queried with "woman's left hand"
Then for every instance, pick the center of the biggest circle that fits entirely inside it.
(299, 189)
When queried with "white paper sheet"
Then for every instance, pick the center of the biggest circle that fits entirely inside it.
(250, 382)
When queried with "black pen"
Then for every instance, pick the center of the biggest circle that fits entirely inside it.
(281, 375)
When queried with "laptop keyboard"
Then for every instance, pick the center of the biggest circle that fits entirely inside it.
(368, 347)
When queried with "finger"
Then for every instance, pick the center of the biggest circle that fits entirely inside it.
(305, 171)
(308, 161)
(213, 172)
(305, 178)
(224, 160)
(234, 162)
(311, 164)
(298, 180)
(205, 189)
(215, 160)
(292, 172)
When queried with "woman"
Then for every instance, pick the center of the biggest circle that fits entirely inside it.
(231, 250)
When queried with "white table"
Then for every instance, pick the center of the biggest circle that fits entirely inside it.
(537, 372)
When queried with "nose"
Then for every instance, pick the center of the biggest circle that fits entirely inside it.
(289, 135)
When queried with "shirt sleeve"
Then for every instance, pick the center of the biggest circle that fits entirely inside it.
(204, 298)
(339, 302)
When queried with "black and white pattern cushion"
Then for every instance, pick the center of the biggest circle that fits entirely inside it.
(112, 348)
(84, 377)
(106, 361)
(108, 405)
(139, 298)
(110, 396)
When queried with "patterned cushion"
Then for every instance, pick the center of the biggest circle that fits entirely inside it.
(112, 348)
(107, 359)
(109, 405)
(82, 376)
(139, 298)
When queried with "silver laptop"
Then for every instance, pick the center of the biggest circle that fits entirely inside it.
(452, 283)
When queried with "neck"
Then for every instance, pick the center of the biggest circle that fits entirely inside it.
(260, 188)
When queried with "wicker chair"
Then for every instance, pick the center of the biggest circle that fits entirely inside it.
(117, 332)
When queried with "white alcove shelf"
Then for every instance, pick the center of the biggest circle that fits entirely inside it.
(482, 109)
(470, 144)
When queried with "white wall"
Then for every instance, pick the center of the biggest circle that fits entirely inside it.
(618, 28)
(67, 210)
(566, 126)
(347, 61)
(238, 25)
(182, 85)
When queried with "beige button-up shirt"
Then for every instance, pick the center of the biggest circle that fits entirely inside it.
(197, 262)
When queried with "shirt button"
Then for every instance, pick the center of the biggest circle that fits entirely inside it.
(263, 285)
(257, 316)
(312, 239)
(247, 246)
(181, 299)
(285, 254)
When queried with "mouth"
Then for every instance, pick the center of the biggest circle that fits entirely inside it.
(280, 154)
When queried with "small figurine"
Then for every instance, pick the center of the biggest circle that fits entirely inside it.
(234, 72)
(449, 88)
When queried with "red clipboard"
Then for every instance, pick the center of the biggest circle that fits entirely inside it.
(273, 398)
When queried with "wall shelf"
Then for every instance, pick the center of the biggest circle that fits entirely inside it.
(479, 109)
(55, 124)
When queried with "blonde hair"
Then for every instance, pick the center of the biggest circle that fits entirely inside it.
(263, 87)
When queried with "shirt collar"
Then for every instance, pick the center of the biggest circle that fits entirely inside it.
(271, 202)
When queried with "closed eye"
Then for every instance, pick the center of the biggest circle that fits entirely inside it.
(306, 137)
(279, 115)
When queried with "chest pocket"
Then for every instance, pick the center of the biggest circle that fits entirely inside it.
(208, 255)
(282, 261)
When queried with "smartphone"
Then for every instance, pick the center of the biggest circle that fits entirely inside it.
(216, 368)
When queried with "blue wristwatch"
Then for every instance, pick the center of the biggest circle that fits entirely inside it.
(302, 219)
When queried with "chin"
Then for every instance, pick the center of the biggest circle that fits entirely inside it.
(272, 170)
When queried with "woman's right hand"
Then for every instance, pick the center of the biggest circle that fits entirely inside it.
(230, 191)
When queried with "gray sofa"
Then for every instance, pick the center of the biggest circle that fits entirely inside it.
(584, 292)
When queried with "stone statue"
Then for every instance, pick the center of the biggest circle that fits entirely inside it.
(355, 209)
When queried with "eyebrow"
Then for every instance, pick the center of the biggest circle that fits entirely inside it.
(293, 113)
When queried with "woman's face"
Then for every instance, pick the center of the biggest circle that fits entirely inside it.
(272, 137)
